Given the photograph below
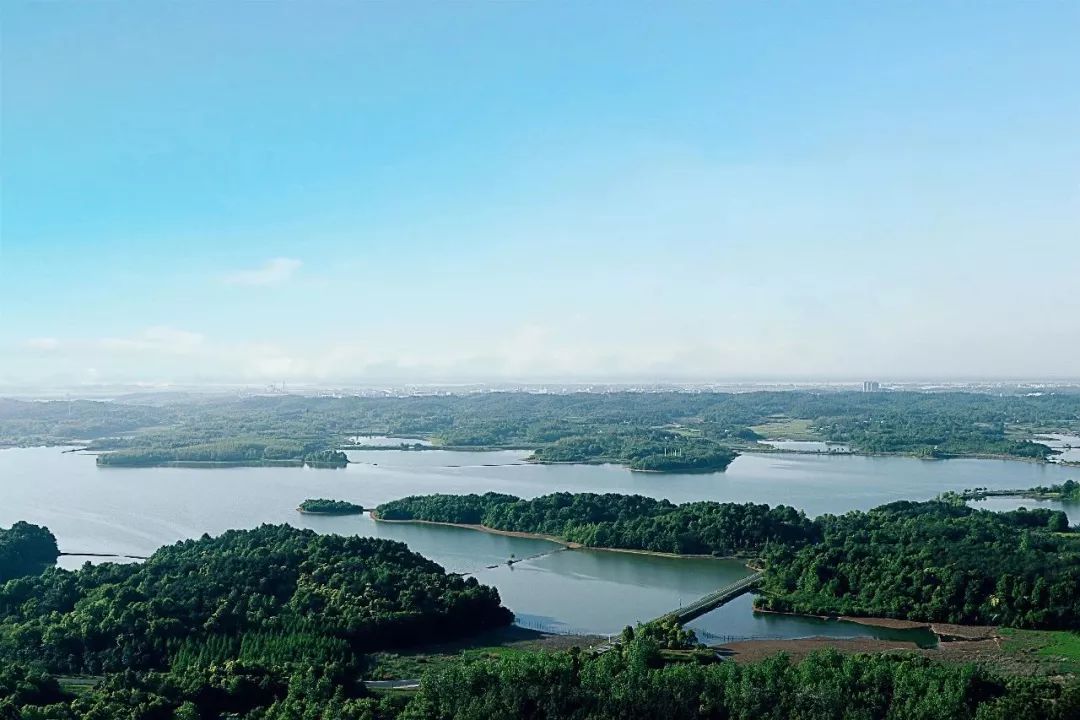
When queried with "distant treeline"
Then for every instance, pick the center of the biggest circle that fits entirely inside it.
(592, 426)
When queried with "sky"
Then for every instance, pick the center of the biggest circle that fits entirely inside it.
(335, 193)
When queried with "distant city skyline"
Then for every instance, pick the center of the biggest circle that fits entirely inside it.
(328, 194)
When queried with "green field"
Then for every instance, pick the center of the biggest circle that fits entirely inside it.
(1059, 650)
(787, 429)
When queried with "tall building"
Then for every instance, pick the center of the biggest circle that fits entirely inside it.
(871, 386)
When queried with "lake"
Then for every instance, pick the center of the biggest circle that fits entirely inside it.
(132, 511)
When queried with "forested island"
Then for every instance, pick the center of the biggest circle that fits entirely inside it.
(932, 561)
(225, 452)
(674, 431)
(322, 506)
(629, 522)
(649, 451)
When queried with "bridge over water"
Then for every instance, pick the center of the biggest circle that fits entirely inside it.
(702, 605)
(715, 599)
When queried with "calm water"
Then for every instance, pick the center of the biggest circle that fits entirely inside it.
(808, 446)
(1069, 445)
(386, 441)
(134, 511)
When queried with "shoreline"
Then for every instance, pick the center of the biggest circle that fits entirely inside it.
(361, 511)
(600, 462)
(912, 456)
(945, 632)
(569, 545)
(211, 464)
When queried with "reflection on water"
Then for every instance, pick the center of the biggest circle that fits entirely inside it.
(594, 591)
(1004, 504)
(133, 511)
(738, 621)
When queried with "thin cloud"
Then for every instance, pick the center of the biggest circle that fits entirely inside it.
(159, 339)
(41, 343)
(273, 272)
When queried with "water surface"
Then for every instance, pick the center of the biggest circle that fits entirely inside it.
(135, 510)
(1068, 445)
(806, 446)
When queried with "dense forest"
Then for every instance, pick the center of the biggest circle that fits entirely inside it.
(934, 561)
(275, 624)
(618, 521)
(324, 506)
(26, 549)
(648, 450)
(232, 452)
(707, 424)
(292, 586)
(632, 683)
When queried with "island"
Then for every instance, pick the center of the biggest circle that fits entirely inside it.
(642, 450)
(238, 452)
(616, 522)
(322, 506)
(326, 459)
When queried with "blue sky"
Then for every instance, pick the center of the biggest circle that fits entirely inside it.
(360, 192)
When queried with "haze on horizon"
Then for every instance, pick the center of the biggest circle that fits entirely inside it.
(348, 193)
